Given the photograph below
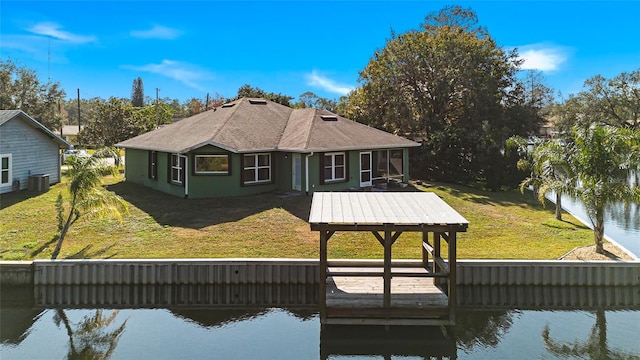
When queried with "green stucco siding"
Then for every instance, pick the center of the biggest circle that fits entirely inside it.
(223, 185)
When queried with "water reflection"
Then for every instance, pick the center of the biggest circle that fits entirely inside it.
(481, 328)
(193, 322)
(93, 337)
(595, 347)
(427, 342)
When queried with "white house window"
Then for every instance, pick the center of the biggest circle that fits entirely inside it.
(177, 169)
(334, 167)
(212, 164)
(5, 169)
(256, 168)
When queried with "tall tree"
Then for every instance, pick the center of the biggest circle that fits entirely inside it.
(310, 100)
(251, 92)
(548, 166)
(87, 197)
(21, 89)
(117, 120)
(88, 110)
(137, 93)
(613, 101)
(446, 84)
(603, 159)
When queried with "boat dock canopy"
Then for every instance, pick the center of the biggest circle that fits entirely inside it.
(411, 210)
(424, 295)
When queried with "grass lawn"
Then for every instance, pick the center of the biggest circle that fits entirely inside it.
(504, 225)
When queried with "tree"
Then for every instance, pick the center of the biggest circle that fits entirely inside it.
(137, 93)
(117, 120)
(20, 89)
(603, 159)
(310, 100)
(613, 101)
(87, 197)
(251, 92)
(548, 167)
(447, 84)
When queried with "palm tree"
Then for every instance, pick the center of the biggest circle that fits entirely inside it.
(603, 160)
(94, 336)
(548, 167)
(88, 197)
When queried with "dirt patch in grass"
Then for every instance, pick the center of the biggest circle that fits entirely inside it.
(611, 252)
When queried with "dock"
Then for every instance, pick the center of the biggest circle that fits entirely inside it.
(414, 301)
(391, 292)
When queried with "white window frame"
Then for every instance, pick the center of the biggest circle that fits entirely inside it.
(256, 169)
(332, 165)
(177, 167)
(387, 171)
(195, 164)
(7, 170)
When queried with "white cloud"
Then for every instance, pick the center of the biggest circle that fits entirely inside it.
(173, 69)
(54, 31)
(157, 32)
(315, 79)
(541, 57)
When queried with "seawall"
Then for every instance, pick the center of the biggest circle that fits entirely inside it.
(302, 272)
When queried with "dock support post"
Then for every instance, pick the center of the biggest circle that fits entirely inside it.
(324, 238)
(388, 241)
(452, 297)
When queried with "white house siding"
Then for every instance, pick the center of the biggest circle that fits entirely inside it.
(32, 153)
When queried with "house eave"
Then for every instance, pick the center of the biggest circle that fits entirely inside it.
(347, 148)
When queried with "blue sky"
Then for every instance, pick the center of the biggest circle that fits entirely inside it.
(191, 48)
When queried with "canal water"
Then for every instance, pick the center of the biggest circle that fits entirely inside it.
(41, 323)
(622, 222)
(284, 334)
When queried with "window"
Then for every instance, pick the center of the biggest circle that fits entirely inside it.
(334, 167)
(176, 169)
(256, 168)
(5, 169)
(396, 163)
(153, 165)
(388, 164)
(211, 164)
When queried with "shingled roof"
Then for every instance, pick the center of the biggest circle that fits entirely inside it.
(6, 115)
(253, 125)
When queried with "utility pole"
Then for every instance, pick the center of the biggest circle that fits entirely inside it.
(206, 105)
(79, 115)
(157, 102)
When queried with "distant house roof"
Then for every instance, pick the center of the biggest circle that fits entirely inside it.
(70, 130)
(250, 125)
(6, 115)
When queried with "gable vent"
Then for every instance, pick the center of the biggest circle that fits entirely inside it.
(329, 117)
(258, 101)
(228, 105)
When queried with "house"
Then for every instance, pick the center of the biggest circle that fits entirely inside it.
(252, 146)
(27, 149)
(70, 133)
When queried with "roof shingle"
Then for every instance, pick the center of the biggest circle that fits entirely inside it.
(251, 125)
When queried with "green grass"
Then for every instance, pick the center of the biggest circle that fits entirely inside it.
(504, 225)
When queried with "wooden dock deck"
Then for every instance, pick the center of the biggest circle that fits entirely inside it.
(357, 299)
